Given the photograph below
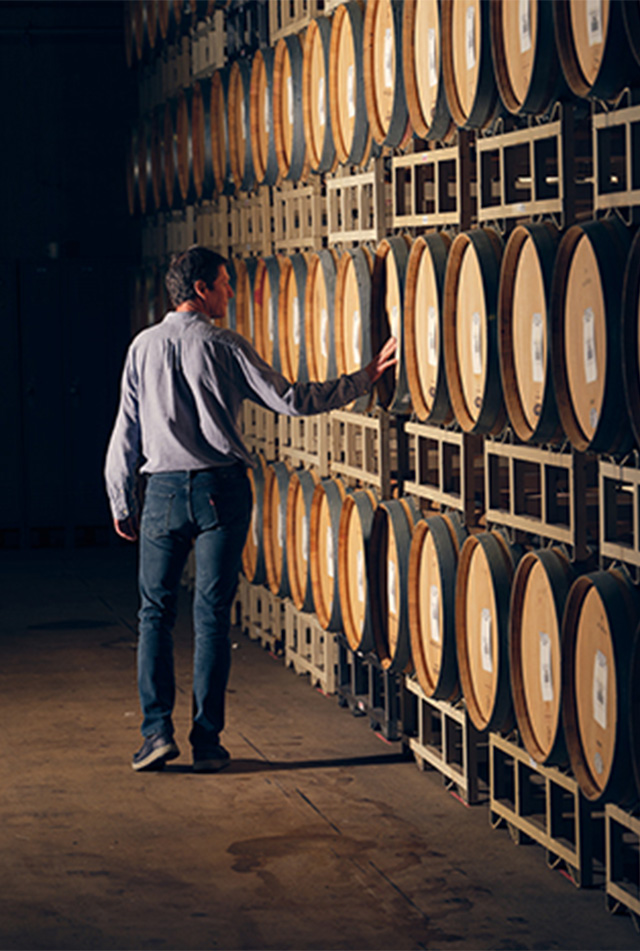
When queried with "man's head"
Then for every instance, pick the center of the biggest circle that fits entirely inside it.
(197, 279)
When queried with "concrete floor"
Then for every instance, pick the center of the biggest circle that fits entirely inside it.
(320, 835)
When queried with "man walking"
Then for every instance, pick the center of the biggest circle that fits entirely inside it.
(183, 383)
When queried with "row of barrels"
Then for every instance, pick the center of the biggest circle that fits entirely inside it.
(525, 636)
(541, 331)
(149, 24)
(359, 81)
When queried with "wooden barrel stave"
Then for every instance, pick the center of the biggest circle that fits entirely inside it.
(316, 112)
(424, 86)
(350, 125)
(276, 492)
(356, 523)
(263, 145)
(383, 72)
(467, 67)
(319, 315)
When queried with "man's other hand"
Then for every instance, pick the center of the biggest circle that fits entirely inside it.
(384, 359)
(126, 528)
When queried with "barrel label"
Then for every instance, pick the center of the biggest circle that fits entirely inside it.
(321, 110)
(432, 337)
(388, 58)
(356, 337)
(537, 348)
(486, 644)
(391, 589)
(305, 538)
(476, 344)
(600, 690)
(290, 98)
(243, 119)
(395, 321)
(254, 527)
(434, 613)
(351, 100)
(267, 124)
(546, 682)
(280, 527)
(296, 321)
(524, 22)
(270, 327)
(598, 763)
(593, 417)
(324, 333)
(589, 345)
(594, 21)
(360, 575)
(431, 57)
(330, 573)
(471, 37)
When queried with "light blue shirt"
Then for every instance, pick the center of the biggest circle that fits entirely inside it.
(182, 386)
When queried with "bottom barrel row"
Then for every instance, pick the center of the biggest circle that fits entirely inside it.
(527, 637)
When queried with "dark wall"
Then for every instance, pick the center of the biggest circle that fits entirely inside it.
(67, 247)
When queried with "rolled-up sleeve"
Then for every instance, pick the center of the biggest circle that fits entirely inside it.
(124, 451)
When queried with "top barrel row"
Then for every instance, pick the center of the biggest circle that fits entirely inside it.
(421, 65)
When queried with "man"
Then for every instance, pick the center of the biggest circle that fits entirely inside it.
(182, 386)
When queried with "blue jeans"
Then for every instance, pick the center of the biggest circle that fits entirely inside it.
(212, 507)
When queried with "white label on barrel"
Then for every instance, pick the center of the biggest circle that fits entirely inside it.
(593, 417)
(290, 98)
(324, 333)
(296, 321)
(360, 575)
(330, 573)
(351, 101)
(431, 57)
(280, 527)
(537, 352)
(471, 37)
(486, 645)
(388, 57)
(600, 690)
(267, 124)
(321, 110)
(254, 527)
(270, 319)
(305, 538)
(395, 322)
(524, 21)
(598, 763)
(594, 21)
(589, 345)
(391, 586)
(435, 613)
(476, 344)
(242, 117)
(432, 337)
(546, 683)
(356, 337)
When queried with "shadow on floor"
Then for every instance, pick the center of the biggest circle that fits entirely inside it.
(266, 766)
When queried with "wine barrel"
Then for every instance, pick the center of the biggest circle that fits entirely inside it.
(387, 319)
(422, 328)
(263, 145)
(220, 132)
(326, 508)
(586, 336)
(240, 156)
(524, 332)
(383, 72)
(170, 154)
(600, 620)
(156, 158)
(467, 67)
(245, 273)
(321, 151)
(185, 145)
(424, 87)
(349, 122)
(291, 320)
(540, 589)
(631, 335)
(433, 564)
(202, 139)
(253, 554)
(266, 295)
(143, 143)
(483, 588)
(470, 331)
(594, 50)
(288, 123)
(276, 489)
(525, 58)
(302, 485)
(354, 534)
(319, 311)
(393, 523)
(353, 316)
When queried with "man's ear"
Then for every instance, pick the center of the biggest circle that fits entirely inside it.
(200, 286)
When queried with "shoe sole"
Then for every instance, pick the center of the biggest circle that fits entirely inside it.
(158, 757)
(210, 766)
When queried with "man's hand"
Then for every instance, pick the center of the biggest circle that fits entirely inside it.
(384, 359)
(126, 528)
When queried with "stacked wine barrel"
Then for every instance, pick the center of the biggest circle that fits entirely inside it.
(525, 330)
